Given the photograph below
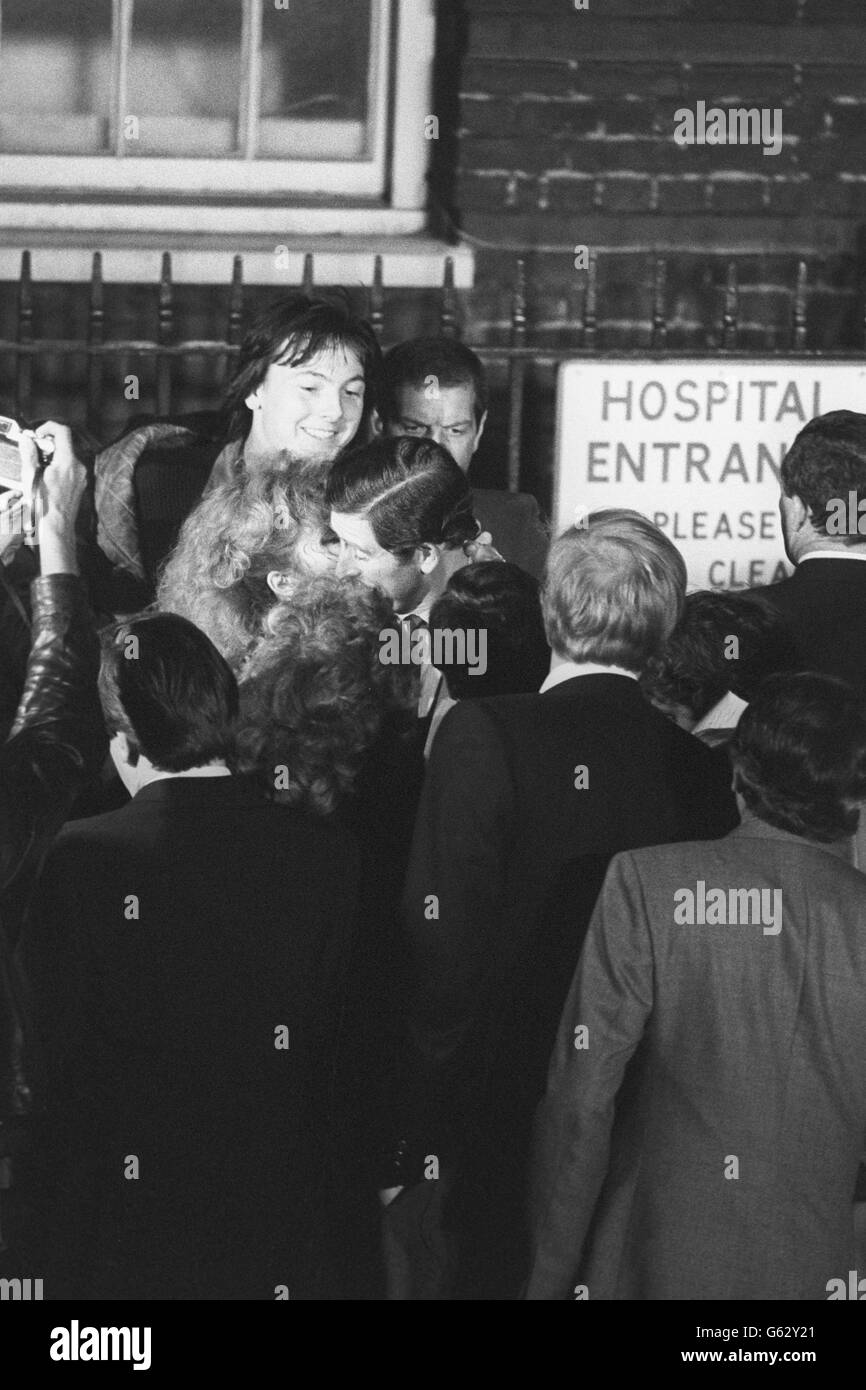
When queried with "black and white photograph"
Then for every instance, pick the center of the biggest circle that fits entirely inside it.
(432, 670)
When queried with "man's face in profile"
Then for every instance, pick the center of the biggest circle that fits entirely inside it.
(404, 582)
(445, 414)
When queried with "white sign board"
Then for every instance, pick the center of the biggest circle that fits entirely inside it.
(696, 445)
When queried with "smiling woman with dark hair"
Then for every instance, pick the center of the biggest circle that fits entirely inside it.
(306, 377)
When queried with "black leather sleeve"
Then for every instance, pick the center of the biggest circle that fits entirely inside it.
(58, 739)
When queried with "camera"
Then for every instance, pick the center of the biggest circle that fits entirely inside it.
(10, 454)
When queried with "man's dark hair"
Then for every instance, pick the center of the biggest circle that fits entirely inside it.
(292, 330)
(799, 755)
(827, 460)
(693, 670)
(165, 685)
(504, 602)
(411, 363)
(411, 490)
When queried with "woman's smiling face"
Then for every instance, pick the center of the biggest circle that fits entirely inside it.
(312, 410)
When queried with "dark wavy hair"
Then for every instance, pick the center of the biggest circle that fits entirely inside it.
(292, 330)
(411, 490)
(504, 602)
(217, 573)
(799, 755)
(165, 685)
(827, 461)
(410, 363)
(692, 670)
(315, 695)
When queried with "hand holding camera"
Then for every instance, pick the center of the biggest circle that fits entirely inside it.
(49, 482)
(23, 454)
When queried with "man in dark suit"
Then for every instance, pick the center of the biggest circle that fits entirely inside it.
(823, 507)
(436, 388)
(526, 799)
(190, 963)
(706, 1105)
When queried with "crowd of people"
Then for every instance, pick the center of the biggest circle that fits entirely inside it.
(396, 903)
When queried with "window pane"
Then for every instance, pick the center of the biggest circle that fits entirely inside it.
(315, 66)
(55, 76)
(184, 76)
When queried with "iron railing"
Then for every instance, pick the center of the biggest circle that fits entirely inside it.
(516, 354)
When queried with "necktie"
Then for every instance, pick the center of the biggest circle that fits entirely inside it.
(431, 679)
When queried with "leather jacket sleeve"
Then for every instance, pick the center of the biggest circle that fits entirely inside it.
(58, 739)
(57, 743)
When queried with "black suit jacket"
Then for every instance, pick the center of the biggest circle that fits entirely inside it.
(504, 838)
(507, 860)
(178, 935)
(824, 606)
(514, 521)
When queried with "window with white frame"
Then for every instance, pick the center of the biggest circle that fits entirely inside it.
(228, 99)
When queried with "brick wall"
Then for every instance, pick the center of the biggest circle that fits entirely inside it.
(564, 132)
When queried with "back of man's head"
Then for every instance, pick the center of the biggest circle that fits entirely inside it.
(410, 490)
(613, 590)
(499, 603)
(827, 462)
(799, 755)
(430, 364)
(723, 641)
(165, 686)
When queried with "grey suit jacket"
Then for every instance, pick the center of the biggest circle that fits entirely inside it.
(701, 1139)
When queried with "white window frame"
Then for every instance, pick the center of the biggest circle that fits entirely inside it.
(253, 192)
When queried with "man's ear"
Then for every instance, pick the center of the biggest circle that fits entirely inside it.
(377, 424)
(280, 583)
(796, 511)
(430, 556)
(478, 433)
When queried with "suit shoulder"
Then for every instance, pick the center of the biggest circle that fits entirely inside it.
(282, 821)
(92, 830)
(777, 595)
(501, 497)
(468, 719)
(482, 728)
(516, 506)
(688, 746)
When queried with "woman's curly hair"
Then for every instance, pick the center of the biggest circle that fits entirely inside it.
(315, 695)
(217, 574)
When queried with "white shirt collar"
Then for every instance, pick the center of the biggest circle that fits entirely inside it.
(725, 713)
(834, 555)
(568, 669)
